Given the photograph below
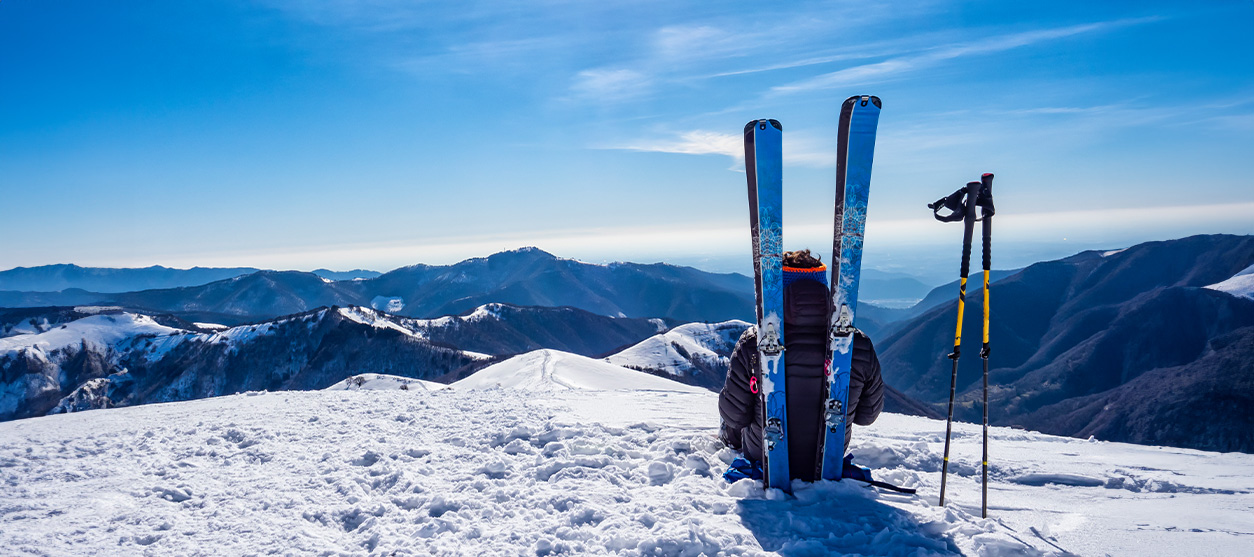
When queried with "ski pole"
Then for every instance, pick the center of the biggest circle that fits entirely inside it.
(962, 206)
(985, 202)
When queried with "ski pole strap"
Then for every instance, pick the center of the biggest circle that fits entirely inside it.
(955, 203)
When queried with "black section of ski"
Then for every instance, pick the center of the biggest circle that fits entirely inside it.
(751, 171)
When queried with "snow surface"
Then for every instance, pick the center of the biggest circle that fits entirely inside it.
(1241, 284)
(546, 471)
(384, 382)
(390, 304)
(663, 351)
(211, 326)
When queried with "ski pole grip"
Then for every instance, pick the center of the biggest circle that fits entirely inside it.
(986, 210)
(973, 191)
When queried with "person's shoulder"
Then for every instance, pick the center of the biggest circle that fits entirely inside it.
(750, 332)
(748, 339)
(862, 341)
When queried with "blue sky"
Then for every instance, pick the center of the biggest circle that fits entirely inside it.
(342, 134)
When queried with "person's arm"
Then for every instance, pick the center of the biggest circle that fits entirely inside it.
(737, 402)
(870, 400)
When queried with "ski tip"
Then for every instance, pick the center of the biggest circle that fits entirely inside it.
(761, 125)
(863, 100)
(986, 175)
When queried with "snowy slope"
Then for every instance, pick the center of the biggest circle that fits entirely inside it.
(107, 330)
(1241, 284)
(684, 350)
(555, 370)
(572, 471)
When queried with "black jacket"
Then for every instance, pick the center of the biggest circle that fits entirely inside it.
(805, 349)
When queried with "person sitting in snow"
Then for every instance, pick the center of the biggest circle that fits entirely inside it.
(806, 300)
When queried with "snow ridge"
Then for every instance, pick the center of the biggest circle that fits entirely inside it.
(685, 349)
(1241, 284)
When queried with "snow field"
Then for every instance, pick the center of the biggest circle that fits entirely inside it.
(1241, 284)
(553, 466)
(380, 472)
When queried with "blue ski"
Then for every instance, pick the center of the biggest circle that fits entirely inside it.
(859, 117)
(763, 166)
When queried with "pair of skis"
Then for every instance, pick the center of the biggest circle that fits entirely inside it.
(859, 117)
(962, 206)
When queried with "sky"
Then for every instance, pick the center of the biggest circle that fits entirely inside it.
(343, 134)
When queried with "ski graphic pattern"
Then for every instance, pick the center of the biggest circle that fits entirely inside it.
(859, 117)
(763, 167)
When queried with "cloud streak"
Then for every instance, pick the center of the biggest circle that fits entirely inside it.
(887, 69)
(799, 149)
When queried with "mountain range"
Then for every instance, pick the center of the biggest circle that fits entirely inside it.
(1150, 344)
(1123, 343)
(91, 357)
(524, 277)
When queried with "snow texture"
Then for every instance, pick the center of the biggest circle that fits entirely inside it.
(390, 304)
(1241, 284)
(555, 469)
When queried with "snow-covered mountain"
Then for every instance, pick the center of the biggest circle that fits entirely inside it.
(625, 468)
(695, 353)
(67, 359)
(118, 358)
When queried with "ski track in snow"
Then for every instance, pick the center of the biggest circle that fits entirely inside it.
(508, 471)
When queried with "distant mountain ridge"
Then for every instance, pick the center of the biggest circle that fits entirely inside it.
(107, 280)
(1097, 325)
(524, 277)
(55, 278)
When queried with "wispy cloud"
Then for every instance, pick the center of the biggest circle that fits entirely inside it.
(610, 85)
(887, 69)
(799, 148)
(695, 142)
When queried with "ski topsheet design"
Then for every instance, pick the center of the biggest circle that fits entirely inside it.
(859, 117)
(763, 167)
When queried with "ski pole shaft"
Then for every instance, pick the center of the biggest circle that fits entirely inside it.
(986, 183)
(968, 222)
